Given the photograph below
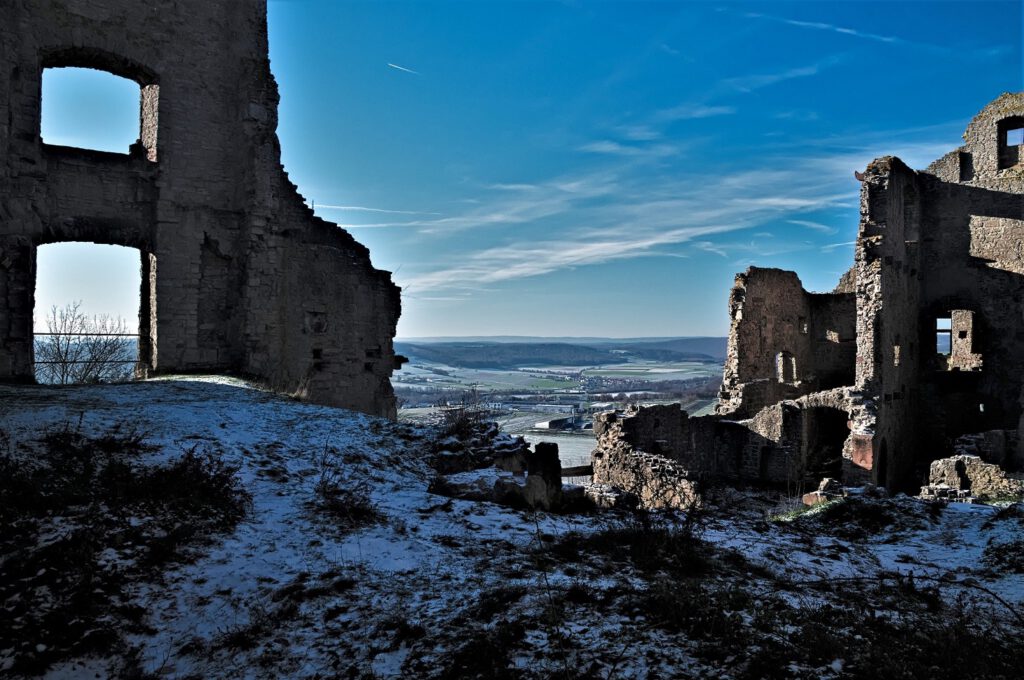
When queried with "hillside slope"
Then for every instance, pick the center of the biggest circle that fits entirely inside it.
(377, 577)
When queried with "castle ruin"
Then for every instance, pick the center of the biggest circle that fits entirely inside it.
(919, 347)
(238, 275)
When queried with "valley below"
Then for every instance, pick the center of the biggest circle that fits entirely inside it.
(549, 391)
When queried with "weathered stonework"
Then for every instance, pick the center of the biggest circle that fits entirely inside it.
(238, 275)
(920, 344)
(656, 480)
(972, 474)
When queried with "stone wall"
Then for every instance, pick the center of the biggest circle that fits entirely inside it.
(238, 274)
(971, 473)
(784, 342)
(856, 382)
(786, 444)
(889, 342)
(656, 480)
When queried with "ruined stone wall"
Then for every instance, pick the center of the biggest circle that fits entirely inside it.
(784, 342)
(834, 339)
(971, 473)
(238, 274)
(658, 482)
(660, 429)
(972, 265)
(940, 244)
(863, 371)
(758, 450)
(889, 347)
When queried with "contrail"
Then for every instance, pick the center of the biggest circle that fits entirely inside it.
(402, 68)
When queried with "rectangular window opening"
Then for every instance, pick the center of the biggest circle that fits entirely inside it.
(944, 335)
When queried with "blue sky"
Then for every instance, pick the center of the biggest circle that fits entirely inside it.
(600, 168)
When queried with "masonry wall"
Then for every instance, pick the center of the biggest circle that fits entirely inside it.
(889, 342)
(244, 278)
(764, 449)
(775, 321)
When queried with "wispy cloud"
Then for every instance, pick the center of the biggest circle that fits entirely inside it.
(402, 68)
(638, 133)
(797, 115)
(607, 146)
(749, 83)
(709, 247)
(617, 216)
(822, 26)
(360, 208)
(815, 226)
(514, 187)
(691, 111)
(527, 259)
(516, 203)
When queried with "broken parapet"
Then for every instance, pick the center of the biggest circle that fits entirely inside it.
(972, 474)
(661, 429)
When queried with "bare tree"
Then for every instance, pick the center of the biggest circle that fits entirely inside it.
(83, 349)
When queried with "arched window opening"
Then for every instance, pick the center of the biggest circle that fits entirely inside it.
(93, 314)
(825, 430)
(90, 109)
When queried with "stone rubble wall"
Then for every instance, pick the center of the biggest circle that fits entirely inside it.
(657, 481)
(239, 276)
(775, 320)
(765, 449)
(971, 473)
(859, 369)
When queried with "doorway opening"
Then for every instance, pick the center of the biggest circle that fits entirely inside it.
(94, 314)
(824, 434)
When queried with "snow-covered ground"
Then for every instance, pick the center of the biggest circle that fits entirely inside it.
(440, 587)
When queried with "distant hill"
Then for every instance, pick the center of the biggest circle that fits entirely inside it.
(507, 354)
(588, 341)
(713, 347)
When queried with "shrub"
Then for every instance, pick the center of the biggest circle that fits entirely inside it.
(61, 591)
(345, 500)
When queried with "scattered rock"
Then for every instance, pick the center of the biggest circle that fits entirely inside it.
(829, 489)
